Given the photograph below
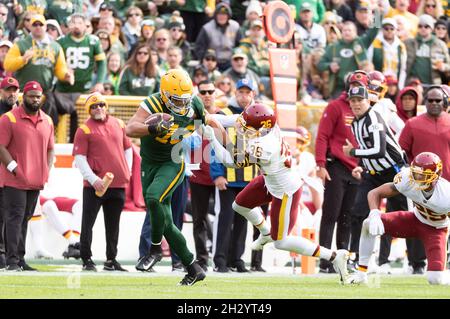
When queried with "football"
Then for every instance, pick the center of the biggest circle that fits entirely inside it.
(158, 122)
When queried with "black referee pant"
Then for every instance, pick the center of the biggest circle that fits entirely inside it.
(338, 201)
(200, 195)
(112, 202)
(416, 251)
(19, 208)
(231, 232)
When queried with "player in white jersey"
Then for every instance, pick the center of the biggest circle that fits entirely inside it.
(377, 88)
(423, 184)
(279, 185)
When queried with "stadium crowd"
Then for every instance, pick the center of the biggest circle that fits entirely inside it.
(393, 52)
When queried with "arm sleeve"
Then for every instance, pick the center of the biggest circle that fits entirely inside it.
(123, 83)
(325, 61)
(101, 71)
(221, 154)
(405, 140)
(324, 133)
(379, 140)
(61, 66)
(13, 59)
(85, 170)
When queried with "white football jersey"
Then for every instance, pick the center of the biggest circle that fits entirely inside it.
(274, 159)
(432, 211)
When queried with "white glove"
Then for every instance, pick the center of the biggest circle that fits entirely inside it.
(208, 133)
(376, 226)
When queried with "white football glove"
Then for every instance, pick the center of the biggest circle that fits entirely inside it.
(376, 226)
(208, 133)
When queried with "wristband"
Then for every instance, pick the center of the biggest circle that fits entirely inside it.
(11, 166)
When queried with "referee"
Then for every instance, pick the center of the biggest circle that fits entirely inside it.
(381, 158)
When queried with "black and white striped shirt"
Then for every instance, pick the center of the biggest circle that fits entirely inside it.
(378, 148)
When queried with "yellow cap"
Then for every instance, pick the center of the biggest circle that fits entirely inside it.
(38, 17)
(92, 99)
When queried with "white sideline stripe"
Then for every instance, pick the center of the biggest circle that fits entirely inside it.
(286, 107)
(284, 80)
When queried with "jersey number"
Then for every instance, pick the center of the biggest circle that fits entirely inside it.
(77, 58)
(256, 151)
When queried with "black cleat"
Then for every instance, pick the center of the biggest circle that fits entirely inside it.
(73, 251)
(257, 268)
(239, 268)
(13, 267)
(113, 265)
(195, 273)
(148, 261)
(222, 269)
(419, 270)
(25, 267)
(89, 265)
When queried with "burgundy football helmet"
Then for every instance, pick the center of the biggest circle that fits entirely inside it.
(377, 87)
(358, 77)
(257, 119)
(426, 168)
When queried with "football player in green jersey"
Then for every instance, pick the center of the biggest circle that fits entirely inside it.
(163, 166)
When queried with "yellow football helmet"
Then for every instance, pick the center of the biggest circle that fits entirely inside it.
(176, 91)
(94, 98)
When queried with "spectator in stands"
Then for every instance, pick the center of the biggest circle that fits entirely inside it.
(106, 10)
(232, 227)
(317, 7)
(401, 9)
(147, 30)
(54, 29)
(431, 7)
(441, 29)
(200, 74)
(210, 62)
(239, 69)
(24, 26)
(26, 135)
(407, 102)
(162, 42)
(108, 24)
(388, 52)
(253, 12)
(93, 60)
(102, 137)
(341, 8)
(37, 57)
(108, 89)
(195, 14)
(334, 169)
(177, 31)
(139, 75)
(7, 21)
(403, 28)
(346, 55)
(132, 27)
(316, 82)
(201, 185)
(312, 34)
(5, 45)
(225, 90)
(120, 7)
(428, 56)
(9, 91)
(363, 16)
(174, 57)
(220, 34)
(114, 68)
(61, 10)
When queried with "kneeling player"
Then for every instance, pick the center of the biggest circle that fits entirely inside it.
(278, 184)
(423, 184)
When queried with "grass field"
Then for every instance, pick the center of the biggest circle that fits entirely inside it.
(50, 284)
